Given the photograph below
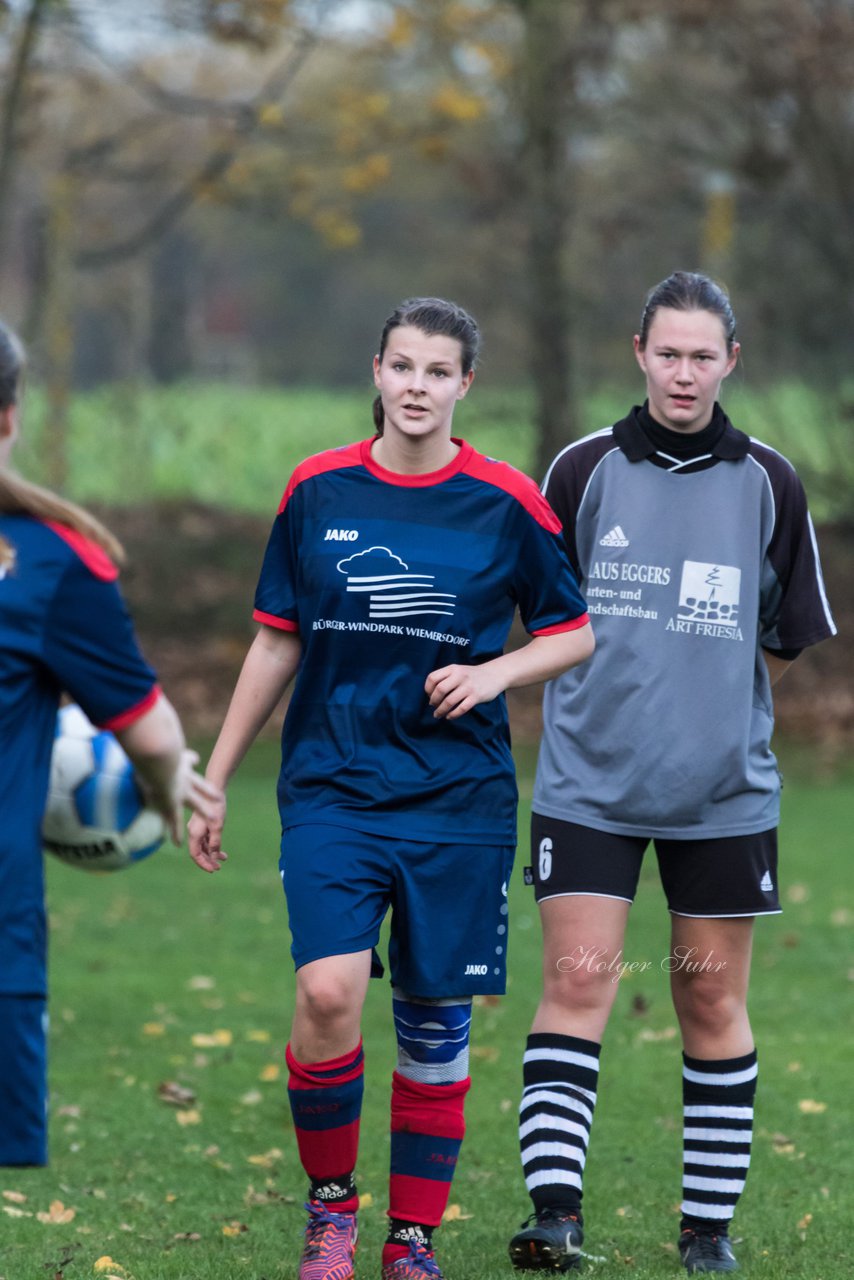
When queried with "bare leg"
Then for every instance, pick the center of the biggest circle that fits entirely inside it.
(582, 937)
(330, 994)
(710, 972)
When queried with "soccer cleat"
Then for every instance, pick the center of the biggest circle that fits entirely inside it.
(549, 1241)
(419, 1264)
(330, 1243)
(706, 1251)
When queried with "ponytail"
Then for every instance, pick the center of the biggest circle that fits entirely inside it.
(379, 414)
(20, 496)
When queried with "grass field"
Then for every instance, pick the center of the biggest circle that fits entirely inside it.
(162, 975)
(236, 446)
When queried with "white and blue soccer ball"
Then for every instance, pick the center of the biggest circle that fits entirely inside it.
(95, 816)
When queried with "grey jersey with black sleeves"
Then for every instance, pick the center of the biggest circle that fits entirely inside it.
(688, 575)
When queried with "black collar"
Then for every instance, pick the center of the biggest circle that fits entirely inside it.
(636, 444)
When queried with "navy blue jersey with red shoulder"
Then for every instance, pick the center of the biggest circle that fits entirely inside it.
(63, 627)
(386, 578)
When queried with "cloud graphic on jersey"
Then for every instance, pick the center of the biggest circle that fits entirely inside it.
(395, 594)
(382, 552)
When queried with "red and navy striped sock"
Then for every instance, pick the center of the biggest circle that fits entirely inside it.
(326, 1104)
(427, 1128)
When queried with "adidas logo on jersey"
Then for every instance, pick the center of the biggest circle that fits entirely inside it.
(766, 884)
(616, 538)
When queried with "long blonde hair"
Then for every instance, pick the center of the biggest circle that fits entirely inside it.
(20, 496)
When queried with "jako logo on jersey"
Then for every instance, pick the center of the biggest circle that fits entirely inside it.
(476, 969)
(616, 538)
(341, 535)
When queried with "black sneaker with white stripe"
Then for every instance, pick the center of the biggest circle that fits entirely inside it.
(550, 1240)
(706, 1251)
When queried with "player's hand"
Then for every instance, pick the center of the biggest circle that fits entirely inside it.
(205, 839)
(454, 690)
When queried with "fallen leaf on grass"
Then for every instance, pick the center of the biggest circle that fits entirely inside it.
(16, 1213)
(267, 1160)
(57, 1214)
(201, 983)
(188, 1117)
(252, 1098)
(486, 1052)
(153, 1029)
(810, 1107)
(17, 1197)
(650, 1036)
(366, 1200)
(783, 1148)
(259, 1037)
(842, 916)
(454, 1213)
(215, 1039)
(189, 1237)
(805, 1222)
(271, 1072)
(71, 1111)
(116, 1270)
(797, 893)
(268, 1196)
(175, 1094)
(794, 1066)
(234, 1228)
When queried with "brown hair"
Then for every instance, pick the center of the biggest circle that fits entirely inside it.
(431, 315)
(18, 495)
(689, 291)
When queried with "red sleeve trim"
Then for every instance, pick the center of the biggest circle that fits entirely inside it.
(133, 713)
(270, 620)
(518, 485)
(94, 557)
(349, 455)
(574, 625)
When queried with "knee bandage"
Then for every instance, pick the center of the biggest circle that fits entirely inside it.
(432, 1038)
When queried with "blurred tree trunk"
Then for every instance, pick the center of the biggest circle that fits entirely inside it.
(10, 111)
(58, 332)
(546, 94)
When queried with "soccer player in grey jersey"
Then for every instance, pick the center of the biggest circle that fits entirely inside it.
(694, 548)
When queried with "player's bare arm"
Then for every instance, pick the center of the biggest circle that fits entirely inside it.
(777, 667)
(455, 689)
(165, 767)
(268, 669)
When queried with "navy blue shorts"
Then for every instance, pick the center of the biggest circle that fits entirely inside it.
(723, 876)
(448, 906)
(23, 1080)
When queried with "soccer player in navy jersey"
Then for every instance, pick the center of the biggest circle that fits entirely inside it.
(63, 628)
(695, 549)
(390, 580)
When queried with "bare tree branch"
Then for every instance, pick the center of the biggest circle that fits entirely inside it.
(11, 106)
(216, 164)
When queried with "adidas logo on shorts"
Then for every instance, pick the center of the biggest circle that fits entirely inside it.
(766, 884)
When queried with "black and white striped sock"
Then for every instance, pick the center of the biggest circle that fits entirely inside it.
(559, 1074)
(717, 1099)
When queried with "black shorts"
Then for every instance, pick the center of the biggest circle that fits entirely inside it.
(724, 876)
